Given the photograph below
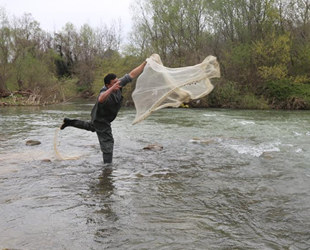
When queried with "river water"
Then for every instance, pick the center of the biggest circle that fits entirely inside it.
(225, 179)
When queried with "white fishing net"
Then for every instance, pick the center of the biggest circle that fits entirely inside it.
(159, 86)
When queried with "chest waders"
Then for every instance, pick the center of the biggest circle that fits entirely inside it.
(102, 115)
(106, 142)
(104, 135)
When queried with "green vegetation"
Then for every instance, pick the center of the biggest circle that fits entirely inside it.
(263, 48)
(285, 94)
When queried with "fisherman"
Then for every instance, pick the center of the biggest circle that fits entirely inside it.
(105, 111)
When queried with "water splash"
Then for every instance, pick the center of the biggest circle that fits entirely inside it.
(59, 156)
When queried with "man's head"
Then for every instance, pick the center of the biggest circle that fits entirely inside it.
(110, 79)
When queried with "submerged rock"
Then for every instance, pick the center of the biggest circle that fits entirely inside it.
(202, 141)
(268, 155)
(155, 147)
(32, 143)
(46, 160)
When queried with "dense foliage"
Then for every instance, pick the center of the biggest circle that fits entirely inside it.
(263, 48)
(53, 67)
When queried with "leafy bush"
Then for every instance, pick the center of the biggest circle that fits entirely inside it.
(250, 101)
(285, 94)
(225, 95)
(68, 87)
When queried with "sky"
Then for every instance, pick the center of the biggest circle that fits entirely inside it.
(54, 14)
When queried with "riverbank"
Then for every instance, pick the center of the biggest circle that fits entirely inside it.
(21, 98)
(29, 98)
(283, 95)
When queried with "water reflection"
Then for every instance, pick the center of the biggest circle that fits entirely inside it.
(104, 216)
(105, 185)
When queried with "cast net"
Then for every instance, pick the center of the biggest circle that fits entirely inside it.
(59, 156)
(160, 87)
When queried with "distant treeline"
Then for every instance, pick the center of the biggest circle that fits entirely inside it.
(263, 48)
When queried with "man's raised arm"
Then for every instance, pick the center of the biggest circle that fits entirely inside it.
(137, 71)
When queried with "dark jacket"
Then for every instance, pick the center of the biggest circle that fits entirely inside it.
(104, 113)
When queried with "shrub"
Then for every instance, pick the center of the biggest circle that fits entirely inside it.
(250, 101)
(225, 95)
(285, 94)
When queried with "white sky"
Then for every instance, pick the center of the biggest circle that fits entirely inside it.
(54, 14)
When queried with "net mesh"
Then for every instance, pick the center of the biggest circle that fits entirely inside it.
(159, 86)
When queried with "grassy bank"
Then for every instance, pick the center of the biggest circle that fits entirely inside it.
(62, 91)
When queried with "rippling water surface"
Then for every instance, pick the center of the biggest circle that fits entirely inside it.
(225, 179)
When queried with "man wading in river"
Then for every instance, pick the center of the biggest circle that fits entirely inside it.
(105, 111)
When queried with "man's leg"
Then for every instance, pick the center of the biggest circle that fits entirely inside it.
(77, 124)
(106, 141)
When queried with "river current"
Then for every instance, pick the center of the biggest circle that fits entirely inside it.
(223, 179)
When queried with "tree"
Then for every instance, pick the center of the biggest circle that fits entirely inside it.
(175, 29)
(272, 56)
(297, 22)
(5, 49)
(65, 43)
